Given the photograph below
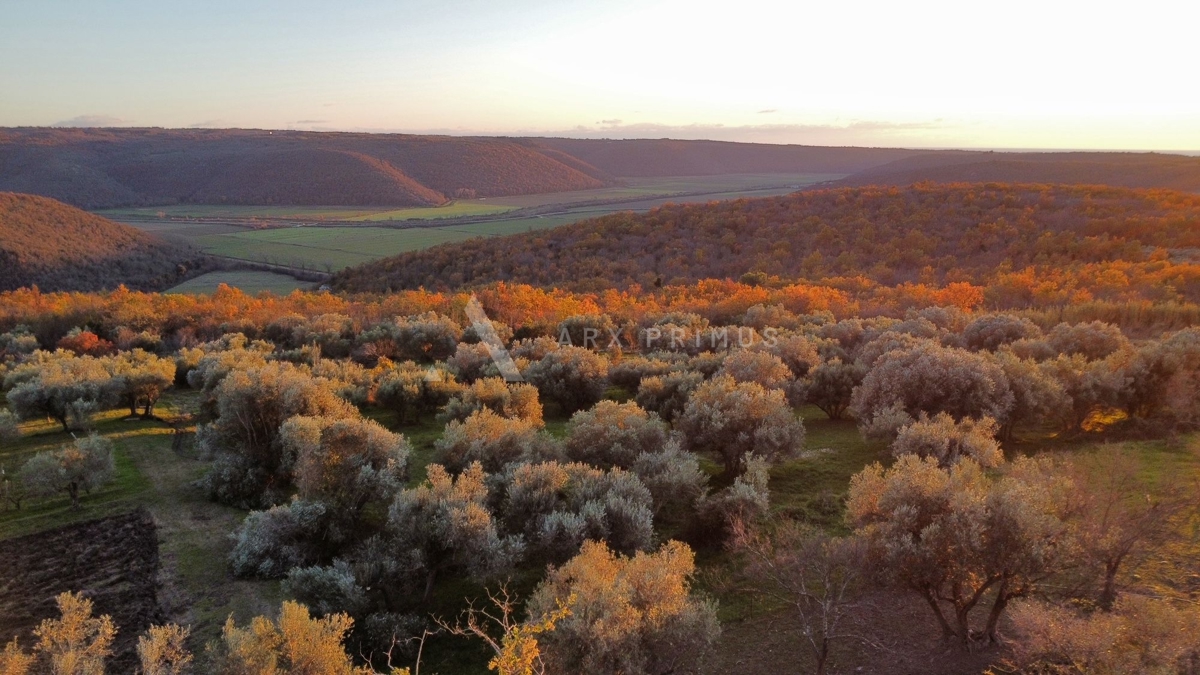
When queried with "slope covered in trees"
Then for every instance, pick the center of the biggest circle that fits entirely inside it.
(926, 233)
(1119, 169)
(58, 247)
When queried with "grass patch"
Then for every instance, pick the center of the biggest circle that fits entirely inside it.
(324, 248)
(248, 281)
(458, 209)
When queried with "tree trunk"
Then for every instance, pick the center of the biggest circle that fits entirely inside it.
(429, 579)
(998, 607)
(962, 618)
(73, 490)
(947, 631)
(822, 656)
(1108, 594)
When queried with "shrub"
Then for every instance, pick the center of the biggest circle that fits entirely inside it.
(933, 379)
(445, 525)
(668, 394)
(294, 643)
(762, 368)
(947, 441)
(733, 420)
(627, 615)
(514, 401)
(574, 377)
(559, 506)
(613, 434)
(76, 643)
(493, 441)
(270, 543)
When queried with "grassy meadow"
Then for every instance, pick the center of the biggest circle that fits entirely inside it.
(249, 281)
(338, 237)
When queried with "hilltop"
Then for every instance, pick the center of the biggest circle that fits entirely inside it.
(58, 247)
(927, 232)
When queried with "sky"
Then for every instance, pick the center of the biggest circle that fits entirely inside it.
(921, 73)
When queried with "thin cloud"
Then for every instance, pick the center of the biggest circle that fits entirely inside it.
(312, 121)
(207, 124)
(768, 111)
(92, 121)
(610, 123)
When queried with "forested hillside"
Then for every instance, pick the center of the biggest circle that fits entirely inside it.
(1116, 238)
(1120, 169)
(58, 247)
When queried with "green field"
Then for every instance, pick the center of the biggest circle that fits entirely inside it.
(249, 281)
(286, 236)
(324, 248)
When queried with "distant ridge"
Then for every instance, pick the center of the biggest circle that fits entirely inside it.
(100, 168)
(1118, 169)
(57, 247)
(104, 168)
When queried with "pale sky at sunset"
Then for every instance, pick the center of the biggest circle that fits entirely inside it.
(1015, 74)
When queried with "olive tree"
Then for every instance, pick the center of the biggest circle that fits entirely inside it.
(444, 525)
(613, 434)
(829, 386)
(668, 394)
(915, 516)
(294, 643)
(9, 430)
(140, 378)
(932, 379)
(412, 390)
(251, 467)
(61, 386)
(494, 442)
(556, 507)
(992, 331)
(573, 377)
(733, 420)
(760, 367)
(634, 615)
(76, 643)
(1095, 340)
(515, 401)
(81, 466)
(423, 337)
(947, 440)
(347, 464)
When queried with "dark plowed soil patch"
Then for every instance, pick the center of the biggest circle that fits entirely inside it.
(114, 561)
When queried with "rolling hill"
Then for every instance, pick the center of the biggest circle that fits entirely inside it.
(99, 168)
(57, 247)
(927, 232)
(1118, 169)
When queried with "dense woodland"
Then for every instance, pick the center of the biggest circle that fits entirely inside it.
(56, 247)
(1084, 242)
